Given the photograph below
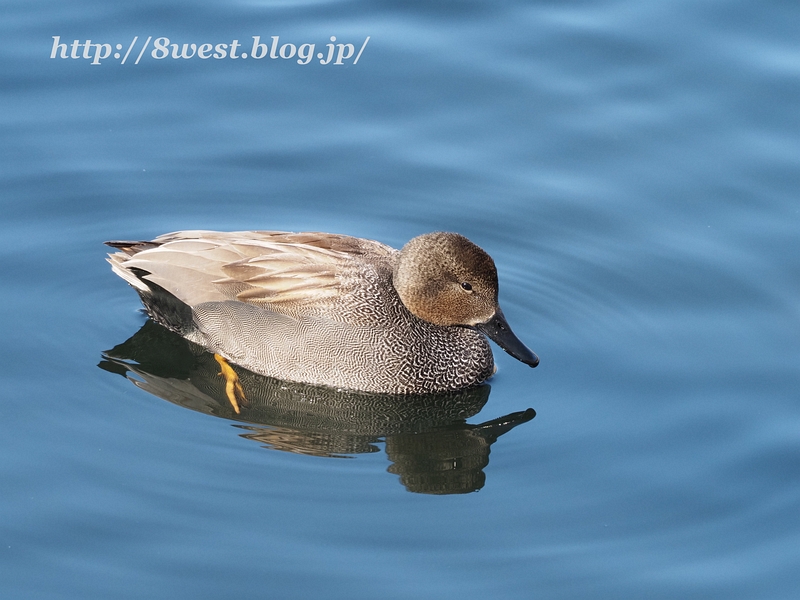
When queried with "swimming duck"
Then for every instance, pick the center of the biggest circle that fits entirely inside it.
(328, 309)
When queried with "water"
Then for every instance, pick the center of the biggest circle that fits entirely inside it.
(632, 168)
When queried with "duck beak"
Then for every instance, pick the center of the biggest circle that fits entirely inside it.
(498, 330)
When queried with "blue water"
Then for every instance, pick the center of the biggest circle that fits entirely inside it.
(632, 167)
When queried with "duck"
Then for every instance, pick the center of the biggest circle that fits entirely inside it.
(328, 309)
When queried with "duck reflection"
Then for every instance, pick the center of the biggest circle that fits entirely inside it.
(432, 448)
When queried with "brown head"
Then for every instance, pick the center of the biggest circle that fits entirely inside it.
(445, 279)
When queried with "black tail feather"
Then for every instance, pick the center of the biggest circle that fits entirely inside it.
(163, 307)
(131, 248)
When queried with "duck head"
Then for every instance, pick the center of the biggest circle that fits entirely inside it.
(445, 279)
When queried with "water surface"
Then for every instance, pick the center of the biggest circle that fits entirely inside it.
(632, 168)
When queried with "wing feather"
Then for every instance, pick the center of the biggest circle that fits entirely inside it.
(272, 269)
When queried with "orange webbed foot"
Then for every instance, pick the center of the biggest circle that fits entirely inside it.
(233, 389)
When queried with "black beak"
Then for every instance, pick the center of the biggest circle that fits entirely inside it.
(498, 330)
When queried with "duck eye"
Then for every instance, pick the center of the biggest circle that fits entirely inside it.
(466, 286)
